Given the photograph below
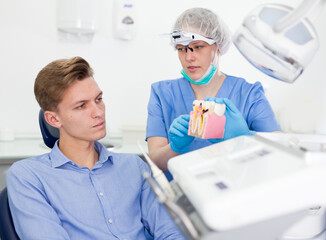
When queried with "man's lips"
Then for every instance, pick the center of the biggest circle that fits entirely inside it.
(99, 124)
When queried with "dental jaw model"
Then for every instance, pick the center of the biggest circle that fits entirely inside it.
(207, 120)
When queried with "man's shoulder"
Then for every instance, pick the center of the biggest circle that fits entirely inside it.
(128, 161)
(29, 165)
(124, 158)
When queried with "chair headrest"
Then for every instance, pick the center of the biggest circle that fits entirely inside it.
(7, 229)
(50, 134)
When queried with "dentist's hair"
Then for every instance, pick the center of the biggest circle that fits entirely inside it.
(52, 81)
(207, 23)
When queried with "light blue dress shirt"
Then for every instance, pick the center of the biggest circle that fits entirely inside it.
(50, 197)
(171, 98)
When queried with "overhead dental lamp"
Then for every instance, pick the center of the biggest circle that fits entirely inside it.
(278, 40)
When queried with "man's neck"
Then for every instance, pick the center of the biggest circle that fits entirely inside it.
(80, 152)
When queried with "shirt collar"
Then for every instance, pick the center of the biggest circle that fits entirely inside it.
(58, 158)
(104, 154)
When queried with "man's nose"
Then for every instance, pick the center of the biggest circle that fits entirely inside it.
(98, 110)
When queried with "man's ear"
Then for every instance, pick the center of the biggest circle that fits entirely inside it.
(52, 119)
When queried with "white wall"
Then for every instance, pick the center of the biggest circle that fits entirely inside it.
(125, 69)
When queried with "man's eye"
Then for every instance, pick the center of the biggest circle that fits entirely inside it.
(198, 47)
(181, 49)
(99, 99)
(81, 106)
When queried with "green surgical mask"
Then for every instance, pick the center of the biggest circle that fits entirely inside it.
(205, 79)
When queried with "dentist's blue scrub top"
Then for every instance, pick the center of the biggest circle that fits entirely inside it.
(171, 98)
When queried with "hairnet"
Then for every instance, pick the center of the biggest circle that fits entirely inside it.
(206, 23)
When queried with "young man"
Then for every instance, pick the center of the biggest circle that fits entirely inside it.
(80, 190)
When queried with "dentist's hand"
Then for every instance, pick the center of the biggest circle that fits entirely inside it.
(235, 124)
(178, 134)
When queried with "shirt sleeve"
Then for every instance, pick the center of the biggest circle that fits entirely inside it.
(260, 116)
(154, 215)
(33, 216)
(155, 119)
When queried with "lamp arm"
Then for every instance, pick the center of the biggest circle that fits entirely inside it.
(301, 11)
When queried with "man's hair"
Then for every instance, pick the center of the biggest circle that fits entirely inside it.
(52, 81)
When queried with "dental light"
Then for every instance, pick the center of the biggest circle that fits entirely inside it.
(278, 40)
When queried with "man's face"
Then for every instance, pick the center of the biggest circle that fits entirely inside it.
(81, 113)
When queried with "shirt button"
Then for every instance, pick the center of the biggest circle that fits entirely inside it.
(92, 172)
(101, 194)
(110, 220)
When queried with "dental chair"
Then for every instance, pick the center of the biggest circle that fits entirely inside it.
(7, 229)
(50, 134)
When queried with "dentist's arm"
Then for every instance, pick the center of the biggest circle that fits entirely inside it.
(160, 150)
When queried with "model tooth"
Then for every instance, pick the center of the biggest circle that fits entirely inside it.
(195, 103)
(219, 109)
(209, 105)
(206, 105)
(212, 107)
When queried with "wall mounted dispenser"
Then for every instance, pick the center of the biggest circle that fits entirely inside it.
(125, 23)
(77, 19)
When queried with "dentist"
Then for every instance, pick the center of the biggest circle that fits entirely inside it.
(201, 37)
